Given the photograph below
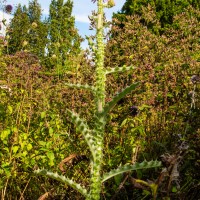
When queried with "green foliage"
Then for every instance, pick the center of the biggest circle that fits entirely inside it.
(57, 35)
(38, 31)
(165, 10)
(126, 168)
(82, 127)
(27, 31)
(164, 65)
(34, 130)
(64, 39)
(19, 25)
(63, 179)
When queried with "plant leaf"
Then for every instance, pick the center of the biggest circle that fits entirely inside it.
(82, 127)
(126, 168)
(110, 70)
(62, 179)
(119, 96)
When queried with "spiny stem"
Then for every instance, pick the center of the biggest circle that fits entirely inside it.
(95, 186)
(99, 61)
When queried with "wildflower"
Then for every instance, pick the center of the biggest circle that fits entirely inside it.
(8, 8)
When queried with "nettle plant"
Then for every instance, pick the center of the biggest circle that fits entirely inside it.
(94, 135)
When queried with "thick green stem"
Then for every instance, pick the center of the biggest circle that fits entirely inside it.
(99, 61)
(95, 187)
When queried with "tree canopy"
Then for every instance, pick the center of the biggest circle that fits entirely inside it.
(165, 9)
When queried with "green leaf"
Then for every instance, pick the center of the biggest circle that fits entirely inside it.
(126, 168)
(50, 155)
(83, 128)
(7, 168)
(5, 134)
(29, 146)
(174, 189)
(118, 179)
(10, 109)
(50, 131)
(110, 70)
(24, 153)
(64, 180)
(146, 192)
(2, 110)
(119, 96)
(6, 149)
(42, 143)
(124, 122)
(43, 114)
(15, 149)
(15, 129)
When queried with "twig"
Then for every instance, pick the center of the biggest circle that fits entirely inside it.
(21, 197)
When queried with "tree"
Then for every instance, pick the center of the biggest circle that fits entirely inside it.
(17, 30)
(64, 38)
(165, 9)
(38, 31)
(27, 31)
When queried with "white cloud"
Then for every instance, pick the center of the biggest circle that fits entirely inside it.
(82, 18)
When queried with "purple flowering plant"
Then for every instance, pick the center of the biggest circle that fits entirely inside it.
(8, 8)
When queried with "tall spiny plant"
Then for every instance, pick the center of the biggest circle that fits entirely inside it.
(94, 136)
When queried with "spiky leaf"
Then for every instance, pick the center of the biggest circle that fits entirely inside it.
(119, 69)
(83, 128)
(62, 179)
(119, 96)
(126, 168)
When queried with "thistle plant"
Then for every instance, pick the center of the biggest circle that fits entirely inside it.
(94, 135)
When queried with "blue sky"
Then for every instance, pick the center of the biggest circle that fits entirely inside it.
(81, 10)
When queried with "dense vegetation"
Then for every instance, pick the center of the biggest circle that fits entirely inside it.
(159, 120)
